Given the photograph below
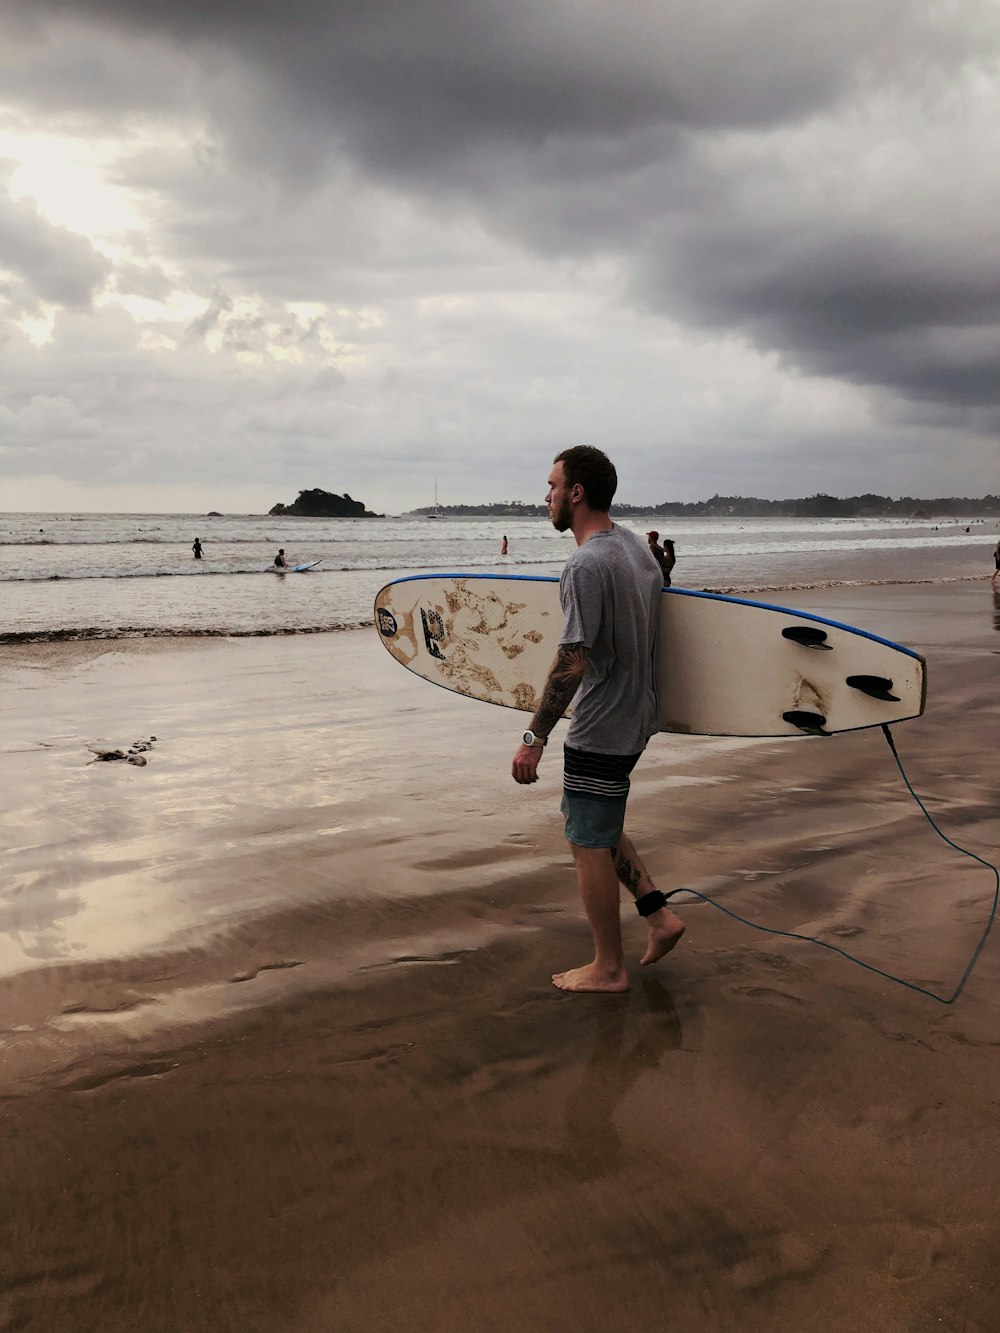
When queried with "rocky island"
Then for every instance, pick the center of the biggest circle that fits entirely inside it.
(316, 503)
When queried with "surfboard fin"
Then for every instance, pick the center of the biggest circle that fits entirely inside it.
(811, 723)
(876, 687)
(807, 636)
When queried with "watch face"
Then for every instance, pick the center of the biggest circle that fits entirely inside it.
(528, 737)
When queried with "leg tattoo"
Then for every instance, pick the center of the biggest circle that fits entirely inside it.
(629, 874)
(664, 925)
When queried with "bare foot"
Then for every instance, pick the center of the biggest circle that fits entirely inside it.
(665, 929)
(592, 979)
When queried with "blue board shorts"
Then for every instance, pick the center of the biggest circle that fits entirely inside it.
(595, 794)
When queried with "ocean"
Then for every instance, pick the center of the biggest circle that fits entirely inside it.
(71, 576)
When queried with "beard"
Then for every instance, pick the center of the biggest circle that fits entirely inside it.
(563, 517)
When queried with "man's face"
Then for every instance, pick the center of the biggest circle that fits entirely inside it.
(560, 509)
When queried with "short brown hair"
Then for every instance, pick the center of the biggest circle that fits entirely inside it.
(592, 469)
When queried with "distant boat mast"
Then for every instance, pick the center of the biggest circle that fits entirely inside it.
(437, 508)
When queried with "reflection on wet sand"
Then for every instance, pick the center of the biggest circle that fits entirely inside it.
(594, 1142)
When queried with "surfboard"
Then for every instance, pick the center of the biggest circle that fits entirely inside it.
(294, 569)
(726, 666)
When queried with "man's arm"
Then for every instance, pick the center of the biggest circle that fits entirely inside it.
(563, 681)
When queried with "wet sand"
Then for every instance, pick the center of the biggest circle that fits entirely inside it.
(281, 1053)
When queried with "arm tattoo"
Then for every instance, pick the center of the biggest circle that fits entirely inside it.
(564, 679)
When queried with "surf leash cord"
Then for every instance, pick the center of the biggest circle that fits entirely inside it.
(869, 967)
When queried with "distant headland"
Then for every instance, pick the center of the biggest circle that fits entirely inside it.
(317, 503)
(744, 506)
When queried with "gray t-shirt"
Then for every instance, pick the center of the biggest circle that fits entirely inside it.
(610, 595)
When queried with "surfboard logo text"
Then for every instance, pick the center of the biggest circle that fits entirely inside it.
(387, 626)
(433, 633)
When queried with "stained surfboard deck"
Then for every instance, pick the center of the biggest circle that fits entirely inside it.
(726, 666)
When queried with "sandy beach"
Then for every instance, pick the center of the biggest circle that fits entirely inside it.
(280, 1050)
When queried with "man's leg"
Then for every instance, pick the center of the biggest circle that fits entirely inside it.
(665, 927)
(595, 874)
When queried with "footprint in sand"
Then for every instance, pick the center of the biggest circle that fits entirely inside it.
(28, 1290)
(151, 1069)
(768, 993)
(789, 1257)
(421, 960)
(916, 1252)
(267, 967)
(119, 1005)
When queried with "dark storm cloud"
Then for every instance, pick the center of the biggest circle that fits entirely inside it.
(414, 85)
(582, 128)
(919, 314)
(46, 263)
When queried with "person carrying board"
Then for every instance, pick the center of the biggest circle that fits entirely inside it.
(664, 555)
(610, 597)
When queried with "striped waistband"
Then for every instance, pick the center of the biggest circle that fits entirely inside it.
(602, 776)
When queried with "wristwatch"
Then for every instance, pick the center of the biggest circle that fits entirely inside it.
(529, 738)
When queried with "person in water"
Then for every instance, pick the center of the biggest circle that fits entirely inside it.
(996, 561)
(279, 560)
(196, 547)
(503, 546)
(610, 597)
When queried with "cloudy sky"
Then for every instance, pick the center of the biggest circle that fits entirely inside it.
(747, 246)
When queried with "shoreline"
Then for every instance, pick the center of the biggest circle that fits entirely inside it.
(117, 633)
(281, 1052)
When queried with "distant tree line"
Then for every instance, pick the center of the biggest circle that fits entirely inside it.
(498, 509)
(828, 506)
(751, 506)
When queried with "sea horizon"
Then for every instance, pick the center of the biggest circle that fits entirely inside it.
(67, 575)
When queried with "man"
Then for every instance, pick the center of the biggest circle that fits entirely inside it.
(610, 592)
(279, 560)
